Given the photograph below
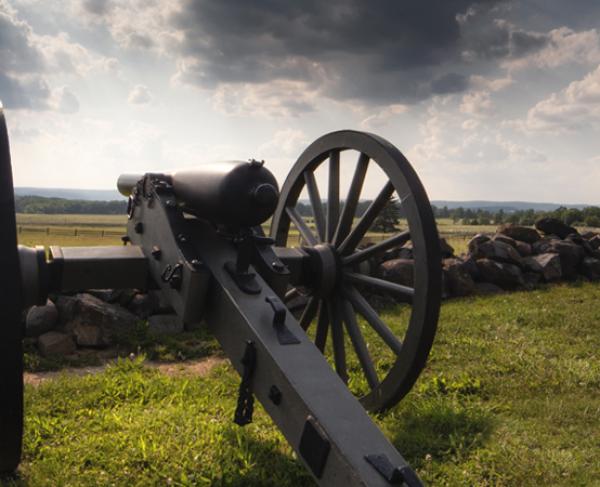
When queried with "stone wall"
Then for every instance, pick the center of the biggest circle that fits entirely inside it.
(96, 319)
(514, 258)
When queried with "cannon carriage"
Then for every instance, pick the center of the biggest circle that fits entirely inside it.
(195, 235)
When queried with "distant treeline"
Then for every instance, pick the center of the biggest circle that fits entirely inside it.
(39, 204)
(589, 216)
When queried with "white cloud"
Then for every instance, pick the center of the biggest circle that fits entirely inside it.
(285, 143)
(65, 101)
(135, 24)
(140, 95)
(383, 117)
(279, 98)
(575, 107)
(564, 46)
(486, 84)
(480, 144)
(476, 103)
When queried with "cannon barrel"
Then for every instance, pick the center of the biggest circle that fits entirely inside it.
(234, 193)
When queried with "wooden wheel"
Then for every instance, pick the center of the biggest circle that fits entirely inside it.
(11, 354)
(379, 357)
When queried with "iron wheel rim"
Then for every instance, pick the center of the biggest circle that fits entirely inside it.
(422, 325)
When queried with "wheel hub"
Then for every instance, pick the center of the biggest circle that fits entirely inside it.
(325, 266)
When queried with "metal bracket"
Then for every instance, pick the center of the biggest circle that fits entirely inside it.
(246, 281)
(314, 446)
(394, 475)
(245, 405)
(284, 335)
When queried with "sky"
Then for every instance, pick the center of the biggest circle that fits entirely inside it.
(488, 100)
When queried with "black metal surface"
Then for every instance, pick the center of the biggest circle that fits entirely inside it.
(11, 354)
(80, 268)
(245, 404)
(337, 302)
(233, 193)
(314, 446)
(393, 474)
(284, 335)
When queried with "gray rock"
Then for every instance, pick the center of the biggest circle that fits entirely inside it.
(553, 226)
(457, 278)
(517, 232)
(523, 248)
(400, 271)
(595, 242)
(470, 265)
(67, 308)
(571, 255)
(531, 279)
(111, 319)
(56, 343)
(499, 237)
(543, 246)
(505, 275)
(499, 251)
(90, 336)
(476, 241)
(590, 268)
(114, 296)
(487, 288)
(548, 265)
(531, 264)
(164, 325)
(41, 319)
(143, 305)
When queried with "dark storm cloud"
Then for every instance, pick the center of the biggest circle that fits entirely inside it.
(378, 51)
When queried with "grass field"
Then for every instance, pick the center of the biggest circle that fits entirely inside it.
(90, 230)
(511, 396)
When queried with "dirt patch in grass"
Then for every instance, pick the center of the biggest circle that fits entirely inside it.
(199, 368)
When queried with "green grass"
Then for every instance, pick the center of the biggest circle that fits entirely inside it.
(511, 396)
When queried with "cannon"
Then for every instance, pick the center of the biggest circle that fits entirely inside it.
(196, 236)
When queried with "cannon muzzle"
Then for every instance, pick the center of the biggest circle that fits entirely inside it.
(233, 193)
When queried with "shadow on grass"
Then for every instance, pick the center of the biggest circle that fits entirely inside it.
(440, 428)
(257, 462)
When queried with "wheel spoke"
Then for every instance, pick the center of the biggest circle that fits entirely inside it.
(316, 203)
(364, 308)
(387, 244)
(301, 225)
(337, 337)
(358, 232)
(381, 284)
(333, 196)
(291, 294)
(309, 313)
(359, 344)
(351, 203)
(322, 326)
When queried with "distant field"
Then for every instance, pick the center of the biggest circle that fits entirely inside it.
(89, 230)
(85, 230)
